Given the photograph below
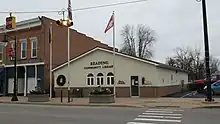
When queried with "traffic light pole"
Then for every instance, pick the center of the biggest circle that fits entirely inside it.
(206, 44)
(68, 76)
(67, 23)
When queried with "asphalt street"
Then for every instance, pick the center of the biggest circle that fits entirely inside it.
(33, 114)
(201, 116)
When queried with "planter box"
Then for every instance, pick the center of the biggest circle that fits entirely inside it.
(38, 97)
(102, 98)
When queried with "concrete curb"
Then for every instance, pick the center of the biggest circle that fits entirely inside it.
(207, 107)
(66, 104)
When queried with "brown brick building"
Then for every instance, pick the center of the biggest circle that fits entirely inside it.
(33, 53)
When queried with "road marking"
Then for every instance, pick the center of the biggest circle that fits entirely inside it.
(160, 111)
(159, 120)
(138, 123)
(166, 110)
(167, 117)
(162, 114)
(189, 94)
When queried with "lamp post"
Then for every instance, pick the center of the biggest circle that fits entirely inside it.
(206, 45)
(14, 97)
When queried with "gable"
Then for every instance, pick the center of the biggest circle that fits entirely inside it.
(109, 52)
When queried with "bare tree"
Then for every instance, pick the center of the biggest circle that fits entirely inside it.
(192, 60)
(138, 43)
(214, 64)
(188, 59)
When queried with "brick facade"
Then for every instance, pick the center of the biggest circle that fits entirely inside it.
(79, 43)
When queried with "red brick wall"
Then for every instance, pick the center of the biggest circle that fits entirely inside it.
(23, 34)
(79, 43)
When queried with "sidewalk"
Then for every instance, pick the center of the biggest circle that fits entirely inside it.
(123, 102)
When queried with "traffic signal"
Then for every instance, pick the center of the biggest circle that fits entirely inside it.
(64, 23)
(59, 22)
(10, 22)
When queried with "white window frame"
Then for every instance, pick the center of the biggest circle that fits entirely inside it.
(12, 45)
(100, 78)
(33, 39)
(90, 80)
(2, 51)
(110, 77)
(23, 40)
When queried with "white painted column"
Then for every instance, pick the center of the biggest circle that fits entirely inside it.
(35, 75)
(25, 81)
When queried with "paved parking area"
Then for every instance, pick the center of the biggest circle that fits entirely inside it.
(190, 94)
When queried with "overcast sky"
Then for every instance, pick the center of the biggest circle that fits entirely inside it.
(176, 22)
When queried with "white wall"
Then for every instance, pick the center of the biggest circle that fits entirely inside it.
(20, 85)
(125, 67)
(164, 77)
(30, 84)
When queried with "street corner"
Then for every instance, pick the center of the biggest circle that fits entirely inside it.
(188, 94)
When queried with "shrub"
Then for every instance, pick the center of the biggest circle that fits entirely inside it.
(101, 91)
(38, 90)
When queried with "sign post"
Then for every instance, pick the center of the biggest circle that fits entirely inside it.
(61, 81)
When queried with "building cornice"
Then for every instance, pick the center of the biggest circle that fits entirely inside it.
(34, 22)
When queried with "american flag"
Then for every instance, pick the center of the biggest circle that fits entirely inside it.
(70, 10)
(110, 23)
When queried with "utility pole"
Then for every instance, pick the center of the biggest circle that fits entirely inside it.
(206, 45)
(67, 23)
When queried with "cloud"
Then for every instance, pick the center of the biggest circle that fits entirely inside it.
(177, 22)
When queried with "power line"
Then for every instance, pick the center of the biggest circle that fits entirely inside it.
(108, 5)
(79, 9)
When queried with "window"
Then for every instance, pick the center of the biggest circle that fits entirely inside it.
(110, 78)
(90, 79)
(33, 48)
(23, 49)
(171, 77)
(100, 79)
(1, 52)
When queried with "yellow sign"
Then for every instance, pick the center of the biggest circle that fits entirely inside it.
(10, 22)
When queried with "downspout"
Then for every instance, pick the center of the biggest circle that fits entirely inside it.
(157, 86)
(42, 34)
(43, 39)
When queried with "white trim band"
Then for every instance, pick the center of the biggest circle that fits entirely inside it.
(28, 64)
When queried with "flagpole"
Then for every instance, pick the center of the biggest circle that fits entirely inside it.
(51, 60)
(114, 53)
(68, 45)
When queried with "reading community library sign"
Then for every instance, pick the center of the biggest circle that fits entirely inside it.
(99, 64)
